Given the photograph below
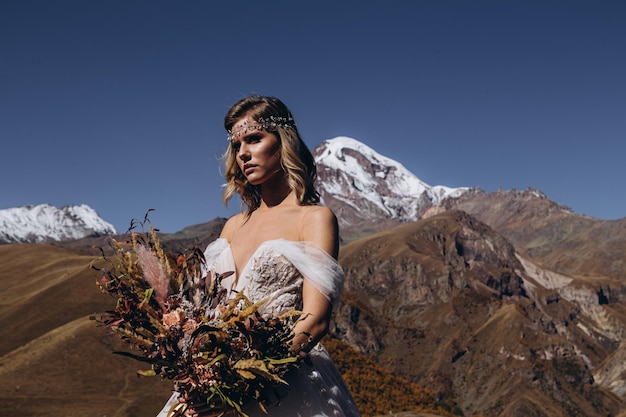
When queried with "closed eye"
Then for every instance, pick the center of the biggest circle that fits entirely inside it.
(248, 139)
(253, 138)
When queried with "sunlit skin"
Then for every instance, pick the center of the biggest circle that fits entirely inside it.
(258, 157)
(257, 152)
(276, 212)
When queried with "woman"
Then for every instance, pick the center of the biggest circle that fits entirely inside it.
(283, 247)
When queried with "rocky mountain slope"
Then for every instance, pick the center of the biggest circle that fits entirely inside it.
(446, 302)
(360, 184)
(503, 304)
(449, 303)
(549, 233)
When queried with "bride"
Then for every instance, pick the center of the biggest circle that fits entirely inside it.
(283, 247)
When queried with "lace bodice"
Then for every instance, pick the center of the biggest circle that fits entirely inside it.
(276, 272)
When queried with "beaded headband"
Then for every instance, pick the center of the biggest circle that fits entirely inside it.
(269, 124)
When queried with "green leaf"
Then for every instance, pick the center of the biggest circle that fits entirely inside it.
(282, 361)
(147, 372)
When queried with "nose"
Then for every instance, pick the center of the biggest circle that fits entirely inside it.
(243, 152)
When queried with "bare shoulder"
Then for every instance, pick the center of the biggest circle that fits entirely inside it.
(231, 226)
(320, 215)
(319, 225)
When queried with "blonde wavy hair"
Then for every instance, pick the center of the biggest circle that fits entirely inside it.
(296, 159)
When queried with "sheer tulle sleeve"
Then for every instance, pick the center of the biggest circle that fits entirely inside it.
(315, 265)
(214, 249)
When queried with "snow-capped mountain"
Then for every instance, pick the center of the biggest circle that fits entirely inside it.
(43, 223)
(363, 187)
(358, 184)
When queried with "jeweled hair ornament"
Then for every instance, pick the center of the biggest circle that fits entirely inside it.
(269, 124)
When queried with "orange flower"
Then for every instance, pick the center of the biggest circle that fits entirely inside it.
(173, 318)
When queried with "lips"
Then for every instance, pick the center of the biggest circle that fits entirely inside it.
(248, 168)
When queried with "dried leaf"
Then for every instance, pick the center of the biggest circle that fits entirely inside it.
(258, 367)
(246, 374)
(219, 351)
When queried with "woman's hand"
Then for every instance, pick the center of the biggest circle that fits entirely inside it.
(315, 319)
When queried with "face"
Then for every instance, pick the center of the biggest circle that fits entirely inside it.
(256, 151)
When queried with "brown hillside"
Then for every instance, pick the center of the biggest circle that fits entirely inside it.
(54, 361)
(199, 234)
(447, 303)
(549, 233)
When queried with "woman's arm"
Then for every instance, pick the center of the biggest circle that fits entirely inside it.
(320, 227)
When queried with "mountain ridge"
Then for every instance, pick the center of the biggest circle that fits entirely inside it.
(360, 184)
(507, 304)
(548, 232)
(367, 191)
(46, 223)
(449, 303)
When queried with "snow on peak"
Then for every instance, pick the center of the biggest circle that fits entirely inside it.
(338, 154)
(44, 222)
(357, 175)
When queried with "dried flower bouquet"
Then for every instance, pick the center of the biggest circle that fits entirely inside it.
(217, 348)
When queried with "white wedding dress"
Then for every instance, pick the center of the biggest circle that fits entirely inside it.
(276, 271)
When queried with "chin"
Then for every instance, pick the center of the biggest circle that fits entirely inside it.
(255, 182)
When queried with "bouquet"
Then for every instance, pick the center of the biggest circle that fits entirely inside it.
(217, 348)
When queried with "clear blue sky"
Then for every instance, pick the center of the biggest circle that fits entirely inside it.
(119, 104)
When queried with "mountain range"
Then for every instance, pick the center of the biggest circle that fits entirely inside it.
(498, 304)
(358, 183)
(45, 223)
